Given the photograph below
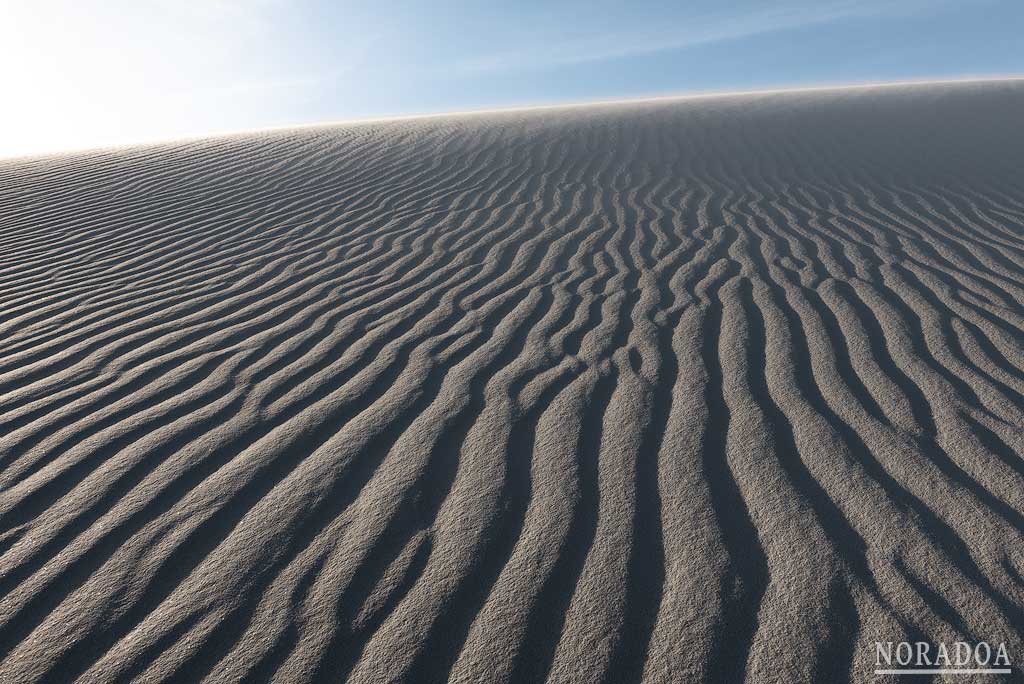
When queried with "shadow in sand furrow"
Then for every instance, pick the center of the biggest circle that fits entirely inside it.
(21, 623)
(994, 445)
(349, 640)
(169, 310)
(668, 297)
(548, 613)
(284, 643)
(936, 602)
(951, 340)
(819, 219)
(930, 240)
(42, 496)
(844, 362)
(959, 212)
(928, 442)
(185, 482)
(443, 643)
(178, 352)
(573, 342)
(1008, 396)
(341, 494)
(837, 651)
(163, 257)
(646, 570)
(410, 515)
(832, 658)
(257, 302)
(1008, 328)
(844, 538)
(11, 537)
(471, 276)
(269, 274)
(792, 223)
(84, 212)
(1012, 571)
(206, 536)
(744, 583)
(371, 622)
(38, 499)
(915, 321)
(919, 405)
(991, 356)
(856, 207)
(475, 260)
(423, 499)
(1007, 235)
(578, 279)
(176, 358)
(710, 247)
(655, 210)
(830, 323)
(624, 323)
(325, 362)
(954, 546)
(969, 239)
(927, 258)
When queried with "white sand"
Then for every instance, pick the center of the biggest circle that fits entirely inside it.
(695, 390)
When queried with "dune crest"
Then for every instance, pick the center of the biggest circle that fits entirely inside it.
(714, 390)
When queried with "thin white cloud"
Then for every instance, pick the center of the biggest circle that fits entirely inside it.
(539, 51)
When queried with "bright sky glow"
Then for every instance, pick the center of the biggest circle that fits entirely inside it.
(87, 73)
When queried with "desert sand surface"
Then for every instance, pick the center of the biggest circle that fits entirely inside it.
(716, 389)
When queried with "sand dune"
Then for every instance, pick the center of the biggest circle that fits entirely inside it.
(686, 390)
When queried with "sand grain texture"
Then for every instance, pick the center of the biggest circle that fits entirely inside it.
(687, 390)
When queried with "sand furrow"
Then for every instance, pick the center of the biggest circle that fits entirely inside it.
(720, 389)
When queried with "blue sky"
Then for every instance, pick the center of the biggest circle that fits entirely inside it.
(86, 73)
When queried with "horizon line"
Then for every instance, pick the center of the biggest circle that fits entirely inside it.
(576, 104)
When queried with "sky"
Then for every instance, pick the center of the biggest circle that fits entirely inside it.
(88, 73)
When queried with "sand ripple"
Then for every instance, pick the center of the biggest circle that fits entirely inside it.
(699, 390)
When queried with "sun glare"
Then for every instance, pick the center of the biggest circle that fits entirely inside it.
(120, 72)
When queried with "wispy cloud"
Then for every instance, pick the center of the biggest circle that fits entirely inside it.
(539, 51)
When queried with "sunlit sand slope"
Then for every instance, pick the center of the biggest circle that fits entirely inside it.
(694, 390)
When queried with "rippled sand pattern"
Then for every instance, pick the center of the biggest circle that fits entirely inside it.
(694, 390)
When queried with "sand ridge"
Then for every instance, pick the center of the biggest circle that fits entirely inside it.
(719, 389)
